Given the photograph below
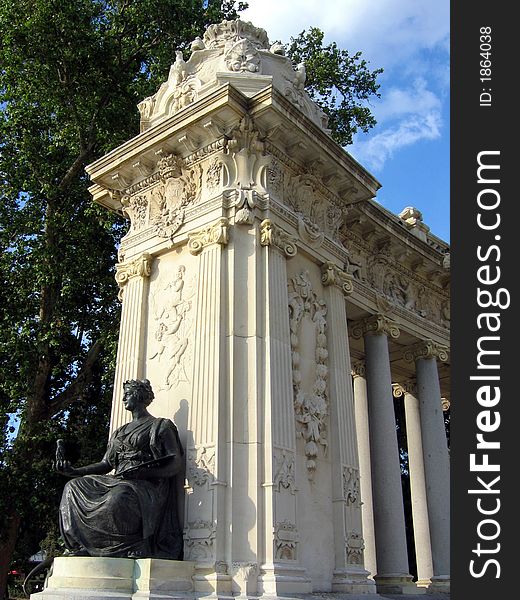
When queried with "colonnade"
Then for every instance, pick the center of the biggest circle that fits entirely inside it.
(386, 555)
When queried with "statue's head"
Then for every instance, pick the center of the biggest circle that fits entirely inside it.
(141, 388)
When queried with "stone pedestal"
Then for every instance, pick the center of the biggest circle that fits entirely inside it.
(83, 578)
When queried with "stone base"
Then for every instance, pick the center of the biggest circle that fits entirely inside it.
(84, 577)
(440, 585)
(397, 584)
(283, 580)
(353, 581)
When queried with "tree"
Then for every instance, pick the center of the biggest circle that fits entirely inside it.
(71, 74)
(340, 83)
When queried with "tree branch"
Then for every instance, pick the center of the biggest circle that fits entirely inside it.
(76, 388)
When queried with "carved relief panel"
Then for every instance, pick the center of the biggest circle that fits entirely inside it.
(308, 324)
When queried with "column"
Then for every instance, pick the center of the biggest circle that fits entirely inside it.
(365, 471)
(207, 452)
(131, 276)
(436, 458)
(281, 572)
(349, 575)
(392, 555)
(421, 527)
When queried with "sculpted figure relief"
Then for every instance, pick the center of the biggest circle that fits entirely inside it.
(131, 512)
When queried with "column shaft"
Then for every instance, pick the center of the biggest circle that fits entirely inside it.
(421, 526)
(365, 471)
(392, 554)
(436, 464)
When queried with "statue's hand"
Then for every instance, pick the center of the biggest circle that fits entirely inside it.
(64, 468)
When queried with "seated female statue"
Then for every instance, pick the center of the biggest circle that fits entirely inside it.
(131, 512)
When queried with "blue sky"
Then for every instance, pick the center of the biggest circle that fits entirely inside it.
(408, 150)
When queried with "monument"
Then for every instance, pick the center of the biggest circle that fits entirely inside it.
(276, 309)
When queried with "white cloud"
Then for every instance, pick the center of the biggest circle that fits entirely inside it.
(375, 151)
(389, 32)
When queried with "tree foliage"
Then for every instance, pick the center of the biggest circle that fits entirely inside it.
(339, 82)
(71, 74)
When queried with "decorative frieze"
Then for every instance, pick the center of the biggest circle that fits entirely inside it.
(272, 235)
(217, 233)
(426, 349)
(138, 267)
(310, 405)
(376, 325)
(286, 540)
(331, 274)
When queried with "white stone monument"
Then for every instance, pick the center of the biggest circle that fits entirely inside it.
(233, 281)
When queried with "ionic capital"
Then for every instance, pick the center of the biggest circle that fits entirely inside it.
(272, 235)
(218, 233)
(405, 387)
(445, 404)
(331, 274)
(376, 325)
(358, 369)
(137, 267)
(426, 349)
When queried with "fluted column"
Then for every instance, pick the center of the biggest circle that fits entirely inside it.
(421, 527)
(392, 555)
(436, 459)
(365, 471)
(131, 276)
(349, 575)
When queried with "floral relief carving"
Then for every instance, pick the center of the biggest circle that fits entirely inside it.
(310, 406)
(171, 306)
(214, 174)
(284, 475)
(201, 465)
(351, 486)
(241, 56)
(136, 208)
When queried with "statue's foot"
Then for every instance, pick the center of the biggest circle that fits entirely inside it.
(136, 554)
(78, 552)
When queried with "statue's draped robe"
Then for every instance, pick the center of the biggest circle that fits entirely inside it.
(106, 515)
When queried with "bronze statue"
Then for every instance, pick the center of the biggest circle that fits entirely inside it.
(133, 511)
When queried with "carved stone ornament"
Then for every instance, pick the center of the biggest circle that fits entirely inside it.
(178, 189)
(331, 274)
(351, 486)
(426, 349)
(224, 34)
(286, 540)
(445, 404)
(376, 325)
(199, 537)
(214, 174)
(171, 308)
(358, 369)
(214, 234)
(245, 147)
(284, 478)
(138, 267)
(201, 465)
(272, 235)
(310, 407)
(354, 545)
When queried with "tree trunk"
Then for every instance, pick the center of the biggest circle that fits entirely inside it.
(7, 546)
